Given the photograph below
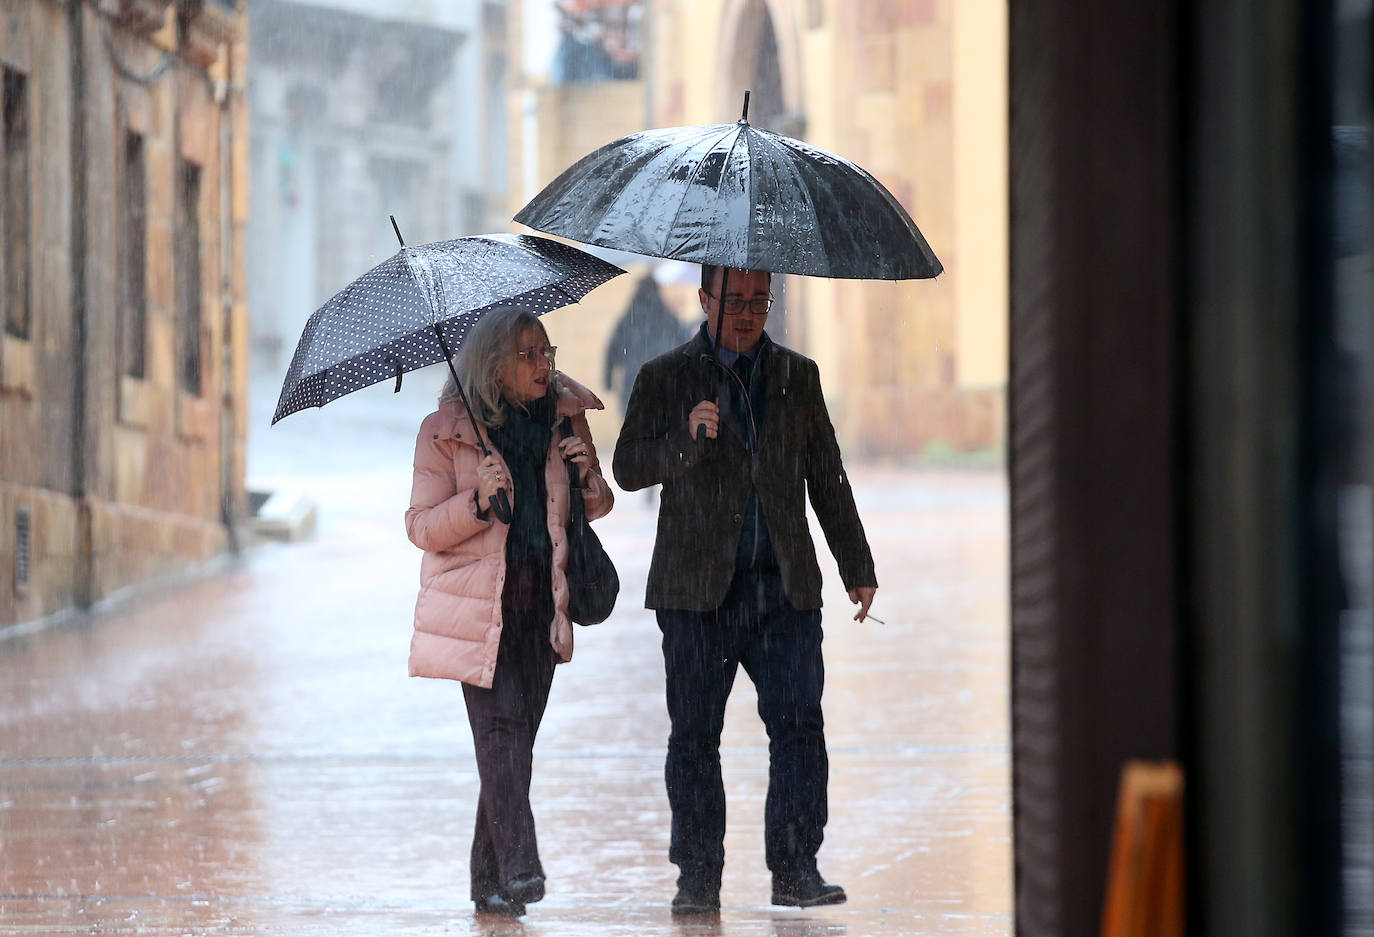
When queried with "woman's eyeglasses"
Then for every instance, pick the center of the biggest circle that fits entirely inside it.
(733, 307)
(531, 355)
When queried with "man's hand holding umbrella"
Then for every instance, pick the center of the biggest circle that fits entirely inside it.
(704, 419)
(491, 482)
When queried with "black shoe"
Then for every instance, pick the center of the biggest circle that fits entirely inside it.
(525, 889)
(696, 898)
(806, 890)
(499, 904)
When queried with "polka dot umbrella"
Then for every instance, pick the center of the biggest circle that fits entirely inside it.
(414, 309)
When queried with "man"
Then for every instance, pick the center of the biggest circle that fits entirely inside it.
(734, 578)
(647, 329)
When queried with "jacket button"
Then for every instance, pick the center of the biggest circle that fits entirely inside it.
(738, 518)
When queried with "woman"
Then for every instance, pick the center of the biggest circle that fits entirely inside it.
(493, 605)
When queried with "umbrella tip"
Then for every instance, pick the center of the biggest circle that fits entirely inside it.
(397, 229)
(744, 115)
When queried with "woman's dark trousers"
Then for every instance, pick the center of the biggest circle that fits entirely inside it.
(504, 722)
(780, 649)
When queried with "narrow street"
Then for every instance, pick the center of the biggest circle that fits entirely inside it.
(247, 755)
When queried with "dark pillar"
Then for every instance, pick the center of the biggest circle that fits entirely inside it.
(1095, 202)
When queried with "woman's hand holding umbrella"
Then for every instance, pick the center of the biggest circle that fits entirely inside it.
(491, 481)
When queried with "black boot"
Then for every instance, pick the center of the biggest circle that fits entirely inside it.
(806, 890)
(698, 892)
(525, 889)
(499, 904)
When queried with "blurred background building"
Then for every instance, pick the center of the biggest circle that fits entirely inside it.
(123, 357)
(363, 109)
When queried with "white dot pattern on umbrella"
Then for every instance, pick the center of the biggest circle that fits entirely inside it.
(385, 320)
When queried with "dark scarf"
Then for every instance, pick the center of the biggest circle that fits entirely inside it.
(747, 397)
(523, 440)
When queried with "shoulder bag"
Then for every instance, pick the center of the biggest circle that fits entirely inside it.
(593, 583)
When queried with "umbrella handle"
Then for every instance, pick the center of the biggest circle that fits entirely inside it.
(703, 444)
(500, 506)
(711, 364)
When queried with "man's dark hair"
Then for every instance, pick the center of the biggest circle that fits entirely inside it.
(708, 276)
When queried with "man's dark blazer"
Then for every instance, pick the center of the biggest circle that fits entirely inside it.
(703, 499)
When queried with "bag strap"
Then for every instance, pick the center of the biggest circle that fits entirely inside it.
(576, 509)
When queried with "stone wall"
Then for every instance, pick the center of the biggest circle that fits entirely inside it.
(120, 473)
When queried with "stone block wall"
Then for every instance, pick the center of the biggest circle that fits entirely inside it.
(111, 475)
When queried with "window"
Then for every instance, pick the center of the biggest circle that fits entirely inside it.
(187, 261)
(14, 206)
(133, 285)
(598, 42)
(21, 551)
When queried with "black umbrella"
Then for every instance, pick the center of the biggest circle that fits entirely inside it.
(414, 309)
(735, 196)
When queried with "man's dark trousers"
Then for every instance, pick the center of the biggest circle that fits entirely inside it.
(780, 649)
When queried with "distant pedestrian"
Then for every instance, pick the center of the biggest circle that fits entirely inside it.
(493, 605)
(647, 329)
(734, 578)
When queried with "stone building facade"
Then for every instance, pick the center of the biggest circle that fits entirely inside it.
(123, 356)
(576, 83)
(914, 91)
(363, 109)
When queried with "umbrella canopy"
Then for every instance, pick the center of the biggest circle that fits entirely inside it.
(415, 308)
(736, 196)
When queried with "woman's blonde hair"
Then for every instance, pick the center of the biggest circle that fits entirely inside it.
(486, 348)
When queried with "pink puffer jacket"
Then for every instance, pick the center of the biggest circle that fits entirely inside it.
(458, 613)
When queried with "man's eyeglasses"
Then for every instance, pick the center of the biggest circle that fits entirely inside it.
(733, 307)
(530, 355)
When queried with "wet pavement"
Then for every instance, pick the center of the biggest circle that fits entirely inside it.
(247, 755)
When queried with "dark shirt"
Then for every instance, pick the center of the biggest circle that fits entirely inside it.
(523, 440)
(745, 385)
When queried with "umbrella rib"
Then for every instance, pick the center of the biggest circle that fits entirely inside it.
(729, 128)
(898, 212)
(411, 264)
(749, 198)
(803, 188)
(721, 182)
